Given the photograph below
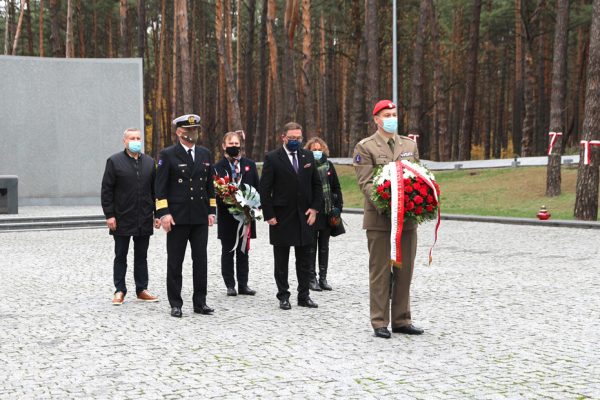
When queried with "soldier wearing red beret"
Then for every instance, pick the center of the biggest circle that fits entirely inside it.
(381, 148)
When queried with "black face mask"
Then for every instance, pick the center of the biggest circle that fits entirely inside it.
(232, 151)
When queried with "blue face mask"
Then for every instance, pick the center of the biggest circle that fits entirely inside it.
(134, 146)
(293, 145)
(318, 154)
(390, 125)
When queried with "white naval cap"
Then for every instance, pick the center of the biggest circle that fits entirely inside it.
(186, 121)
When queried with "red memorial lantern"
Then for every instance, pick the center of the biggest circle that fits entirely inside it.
(543, 214)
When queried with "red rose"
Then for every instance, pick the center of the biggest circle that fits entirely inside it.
(419, 210)
(407, 181)
(418, 199)
(429, 199)
(387, 184)
(429, 208)
(226, 179)
(410, 206)
(380, 189)
(437, 188)
(416, 186)
(385, 195)
(423, 191)
(408, 189)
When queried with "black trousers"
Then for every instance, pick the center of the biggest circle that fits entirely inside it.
(140, 262)
(282, 255)
(322, 245)
(227, 263)
(177, 240)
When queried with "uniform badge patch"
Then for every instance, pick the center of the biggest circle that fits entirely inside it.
(357, 159)
(407, 154)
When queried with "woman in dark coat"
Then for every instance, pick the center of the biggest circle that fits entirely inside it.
(333, 203)
(241, 170)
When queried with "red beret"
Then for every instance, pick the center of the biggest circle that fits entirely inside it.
(381, 104)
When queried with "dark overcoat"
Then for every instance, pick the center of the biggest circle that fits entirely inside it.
(227, 225)
(287, 195)
(127, 193)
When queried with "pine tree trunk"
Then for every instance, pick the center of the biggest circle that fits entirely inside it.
(277, 89)
(55, 29)
(249, 81)
(41, 30)
(288, 68)
(80, 29)
(19, 26)
(371, 32)
(559, 91)
(586, 192)
(439, 149)
(307, 95)
(234, 117)
(184, 55)
(466, 126)
(263, 66)
(517, 120)
(28, 27)
(357, 116)
(141, 11)
(123, 38)
(69, 47)
(416, 80)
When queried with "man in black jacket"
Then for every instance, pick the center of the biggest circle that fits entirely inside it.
(186, 205)
(128, 203)
(240, 170)
(291, 194)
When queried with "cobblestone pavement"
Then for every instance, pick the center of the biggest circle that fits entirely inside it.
(509, 312)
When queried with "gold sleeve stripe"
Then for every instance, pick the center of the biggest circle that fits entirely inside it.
(213, 202)
(160, 204)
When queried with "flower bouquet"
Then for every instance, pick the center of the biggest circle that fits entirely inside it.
(243, 203)
(405, 190)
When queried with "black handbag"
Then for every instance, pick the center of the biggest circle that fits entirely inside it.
(335, 222)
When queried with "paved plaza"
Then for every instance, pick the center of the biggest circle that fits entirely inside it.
(508, 311)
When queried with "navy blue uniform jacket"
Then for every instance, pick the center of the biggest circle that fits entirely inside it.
(185, 190)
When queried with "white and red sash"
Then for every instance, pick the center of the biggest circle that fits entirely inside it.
(397, 209)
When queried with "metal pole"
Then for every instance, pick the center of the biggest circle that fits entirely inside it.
(394, 55)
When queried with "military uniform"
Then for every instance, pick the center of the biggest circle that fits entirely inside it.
(368, 153)
(184, 189)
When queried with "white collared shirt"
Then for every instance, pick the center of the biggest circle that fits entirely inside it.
(290, 156)
(193, 148)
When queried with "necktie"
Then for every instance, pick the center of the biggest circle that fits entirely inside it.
(391, 144)
(191, 157)
(294, 162)
(235, 171)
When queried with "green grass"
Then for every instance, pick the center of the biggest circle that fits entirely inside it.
(507, 192)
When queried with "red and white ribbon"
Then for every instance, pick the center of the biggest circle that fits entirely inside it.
(397, 209)
(553, 136)
(397, 214)
(586, 149)
(413, 137)
(435, 196)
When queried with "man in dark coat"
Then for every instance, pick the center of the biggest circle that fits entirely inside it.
(127, 198)
(185, 204)
(291, 194)
(241, 170)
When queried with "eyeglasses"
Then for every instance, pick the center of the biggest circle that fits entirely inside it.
(294, 138)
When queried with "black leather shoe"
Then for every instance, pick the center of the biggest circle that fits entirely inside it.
(307, 303)
(231, 291)
(324, 285)
(314, 286)
(203, 309)
(285, 304)
(176, 312)
(247, 291)
(382, 333)
(408, 330)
